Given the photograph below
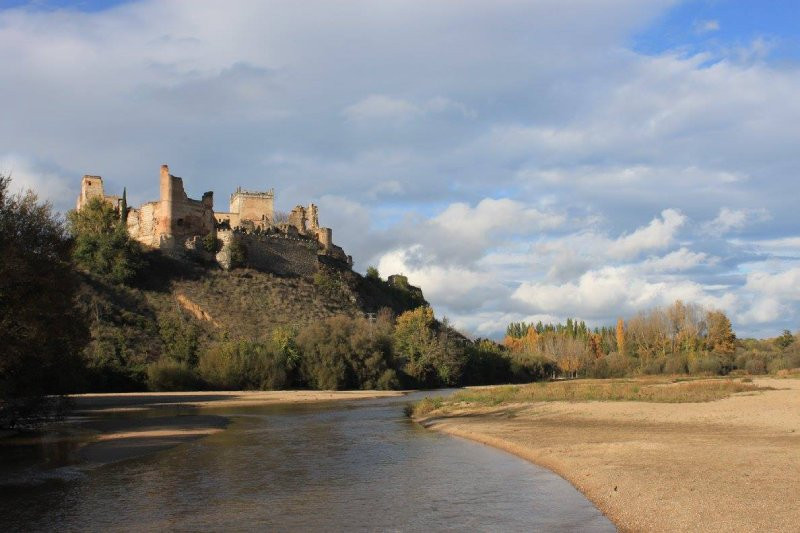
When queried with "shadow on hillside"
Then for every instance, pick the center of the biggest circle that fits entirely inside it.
(161, 270)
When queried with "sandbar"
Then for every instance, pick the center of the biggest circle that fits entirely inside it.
(727, 465)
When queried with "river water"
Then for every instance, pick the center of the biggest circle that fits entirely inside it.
(358, 466)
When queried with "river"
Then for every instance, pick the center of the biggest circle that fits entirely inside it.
(355, 466)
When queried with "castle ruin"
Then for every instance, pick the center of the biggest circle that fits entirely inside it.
(176, 223)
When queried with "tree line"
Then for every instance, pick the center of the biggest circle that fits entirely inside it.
(681, 338)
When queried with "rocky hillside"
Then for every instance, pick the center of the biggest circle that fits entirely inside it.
(178, 307)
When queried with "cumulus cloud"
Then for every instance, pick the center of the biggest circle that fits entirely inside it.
(657, 235)
(522, 147)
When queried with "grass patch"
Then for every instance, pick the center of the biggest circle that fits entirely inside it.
(649, 390)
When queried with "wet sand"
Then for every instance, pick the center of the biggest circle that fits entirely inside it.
(728, 465)
(120, 402)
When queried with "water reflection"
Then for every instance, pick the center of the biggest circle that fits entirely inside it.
(359, 466)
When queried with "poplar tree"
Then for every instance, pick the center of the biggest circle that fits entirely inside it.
(621, 336)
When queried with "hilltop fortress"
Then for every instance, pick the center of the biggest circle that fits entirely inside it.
(179, 225)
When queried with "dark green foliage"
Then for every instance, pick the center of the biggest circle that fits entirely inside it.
(243, 365)
(531, 367)
(102, 245)
(238, 252)
(42, 332)
(785, 340)
(486, 363)
(372, 273)
(572, 328)
(341, 352)
(123, 207)
(171, 375)
(211, 244)
(180, 337)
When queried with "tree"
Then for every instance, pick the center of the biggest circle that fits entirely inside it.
(785, 340)
(123, 207)
(430, 352)
(621, 336)
(372, 273)
(102, 245)
(720, 338)
(41, 330)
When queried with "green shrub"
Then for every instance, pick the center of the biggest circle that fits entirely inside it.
(245, 365)
(102, 245)
(238, 252)
(170, 375)
(531, 367)
(346, 353)
(181, 338)
(211, 244)
(486, 364)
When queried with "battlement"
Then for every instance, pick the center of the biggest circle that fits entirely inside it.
(254, 194)
(178, 224)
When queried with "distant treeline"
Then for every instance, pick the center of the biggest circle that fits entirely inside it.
(677, 339)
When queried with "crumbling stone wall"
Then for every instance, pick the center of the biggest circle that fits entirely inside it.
(177, 224)
(281, 255)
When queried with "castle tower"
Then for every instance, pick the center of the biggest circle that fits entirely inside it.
(167, 198)
(91, 187)
(255, 206)
(312, 217)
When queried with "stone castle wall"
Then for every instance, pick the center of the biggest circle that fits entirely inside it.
(177, 223)
(284, 256)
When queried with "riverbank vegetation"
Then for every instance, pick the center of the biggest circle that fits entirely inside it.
(677, 339)
(658, 390)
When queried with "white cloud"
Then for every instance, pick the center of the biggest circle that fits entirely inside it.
(657, 235)
(734, 219)
(784, 284)
(679, 260)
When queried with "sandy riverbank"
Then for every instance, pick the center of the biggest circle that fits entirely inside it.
(107, 428)
(728, 465)
(120, 402)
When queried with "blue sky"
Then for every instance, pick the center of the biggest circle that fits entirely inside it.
(518, 160)
(715, 25)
